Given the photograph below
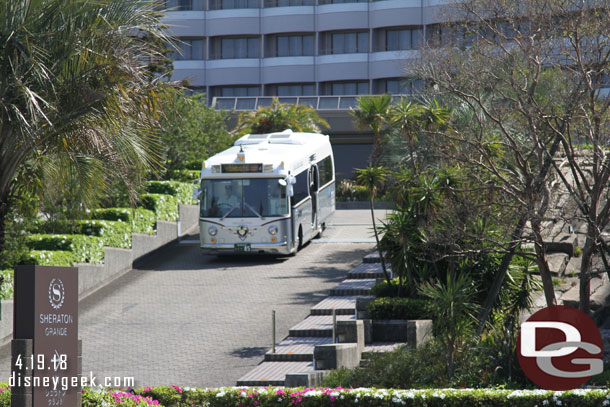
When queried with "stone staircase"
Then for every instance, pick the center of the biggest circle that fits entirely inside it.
(293, 362)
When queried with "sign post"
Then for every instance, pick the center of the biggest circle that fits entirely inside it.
(45, 361)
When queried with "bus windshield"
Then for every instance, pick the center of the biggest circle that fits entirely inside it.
(243, 198)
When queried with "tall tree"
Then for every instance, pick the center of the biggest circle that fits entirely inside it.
(72, 82)
(373, 179)
(372, 112)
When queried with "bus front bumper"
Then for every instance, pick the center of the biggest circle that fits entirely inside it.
(255, 248)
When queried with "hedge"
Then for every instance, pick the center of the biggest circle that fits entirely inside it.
(112, 233)
(174, 396)
(398, 308)
(8, 284)
(164, 206)
(144, 220)
(86, 249)
(50, 258)
(182, 191)
(185, 175)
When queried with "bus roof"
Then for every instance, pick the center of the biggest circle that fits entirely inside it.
(294, 150)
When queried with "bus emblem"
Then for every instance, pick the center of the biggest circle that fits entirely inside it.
(242, 232)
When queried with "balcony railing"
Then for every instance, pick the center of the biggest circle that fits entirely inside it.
(316, 102)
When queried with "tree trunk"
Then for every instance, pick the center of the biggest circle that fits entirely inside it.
(377, 149)
(385, 272)
(585, 272)
(543, 265)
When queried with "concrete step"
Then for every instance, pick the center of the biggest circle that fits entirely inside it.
(343, 305)
(368, 270)
(295, 349)
(317, 326)
(372, 258)
(348, 287)
(273, 373)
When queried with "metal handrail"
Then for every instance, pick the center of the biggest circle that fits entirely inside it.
(244, 103)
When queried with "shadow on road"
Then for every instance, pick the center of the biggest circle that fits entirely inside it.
(249, 352)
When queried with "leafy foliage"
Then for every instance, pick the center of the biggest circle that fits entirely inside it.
(86, 249)
(165, 207)
(399, 308)
(141, 220)
(279, 117)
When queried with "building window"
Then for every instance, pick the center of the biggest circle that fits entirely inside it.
(398, 86)
(183, 5)
(289, 3)
(344, 88)
(291, 89)
(345, 42)
(233, 4)
(321, 2)
(403, 39)
(236, 91)
(234, 47)
(188, 49)
(291, 45)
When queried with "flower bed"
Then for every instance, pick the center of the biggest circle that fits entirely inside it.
(182, 191)
(175, 396)
(61, 258)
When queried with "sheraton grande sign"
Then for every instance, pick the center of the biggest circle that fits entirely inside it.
(45, 368)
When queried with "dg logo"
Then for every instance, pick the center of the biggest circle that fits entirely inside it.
(560, 348)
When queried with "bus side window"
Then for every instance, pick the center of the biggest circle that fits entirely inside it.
(301, 189)
(325, 168)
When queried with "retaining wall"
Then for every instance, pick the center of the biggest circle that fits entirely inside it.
(92, 277)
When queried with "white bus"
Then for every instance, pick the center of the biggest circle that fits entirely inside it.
(269, 193)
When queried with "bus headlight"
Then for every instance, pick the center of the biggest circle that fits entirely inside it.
(212, 230)
(272, 230)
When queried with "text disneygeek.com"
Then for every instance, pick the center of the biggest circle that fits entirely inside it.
(66, 382)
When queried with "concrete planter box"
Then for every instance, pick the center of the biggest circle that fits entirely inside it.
(412, 332)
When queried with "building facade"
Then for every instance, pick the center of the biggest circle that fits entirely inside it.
(237, 48)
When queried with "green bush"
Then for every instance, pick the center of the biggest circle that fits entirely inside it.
(382, 289)
(112, 233)
(8, 284)
(399, 308)
(144, 221)
(174, 396)
(182, 191)
(185, 175)
(50, 258)
(86, 249)
(164, 206)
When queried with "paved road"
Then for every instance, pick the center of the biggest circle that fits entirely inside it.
(190, 319)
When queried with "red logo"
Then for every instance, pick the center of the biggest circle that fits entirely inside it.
(560, 348)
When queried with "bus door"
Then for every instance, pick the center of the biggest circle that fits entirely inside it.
(313, 192)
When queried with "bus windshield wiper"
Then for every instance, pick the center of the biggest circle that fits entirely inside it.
(253, 210)
(228, 212)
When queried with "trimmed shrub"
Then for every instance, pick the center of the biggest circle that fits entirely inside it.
(50, 258)
(382, 289)
(86, 249)
(185, 175)
(399, 308)
(144, 221)
(8, 284)
(112, 233)
(164, 206)
(182, 191)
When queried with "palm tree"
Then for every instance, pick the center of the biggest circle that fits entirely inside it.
(373, 178)
(412, 119)
(73, 81)
(372, 113)
(278, 117)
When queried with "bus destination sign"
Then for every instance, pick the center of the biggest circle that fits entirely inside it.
(231, 168)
